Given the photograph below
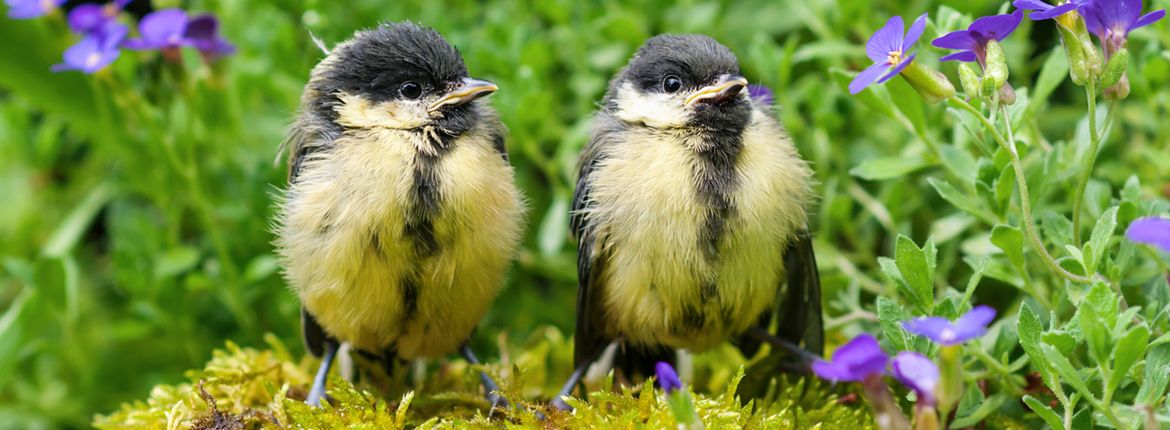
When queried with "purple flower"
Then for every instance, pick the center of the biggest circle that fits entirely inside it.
(161, 29)
(1041, 10)
(972, 42)
(1151, 231)
(27, 9)
(89, 17)
(667, 378)
(761, 94)
(203, 33)
(1112, 20)
(95, 51)
(856, 360)
(916, 371)
(887, 48)
(943, 332)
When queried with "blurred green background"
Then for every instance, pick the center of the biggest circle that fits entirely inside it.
(135, 206)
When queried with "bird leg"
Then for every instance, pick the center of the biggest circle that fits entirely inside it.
(318, 389)
(575, 378)
(805, 356)
(489, 385)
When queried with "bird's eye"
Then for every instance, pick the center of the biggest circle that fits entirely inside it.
(671, 84)
(410, 90)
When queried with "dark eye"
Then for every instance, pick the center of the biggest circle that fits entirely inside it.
(410, 90)
(671, 84)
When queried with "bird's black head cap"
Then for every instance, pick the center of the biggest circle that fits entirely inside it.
(695, 59)
(377, 62)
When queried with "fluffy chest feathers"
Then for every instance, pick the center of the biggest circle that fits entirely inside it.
(388, 245)
(691, 246)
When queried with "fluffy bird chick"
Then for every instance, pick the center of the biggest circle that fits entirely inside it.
(402, 213)
(690, 215)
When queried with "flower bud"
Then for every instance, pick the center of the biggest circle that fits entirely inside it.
(1118, 91)
(930, 84)
(1007, 95)
(995, 69)
(1079, 62)
(1115, 68)
(969, 79)
(950, 388)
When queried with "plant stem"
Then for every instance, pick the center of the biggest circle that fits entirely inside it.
(1025, 199)
(1089, 159)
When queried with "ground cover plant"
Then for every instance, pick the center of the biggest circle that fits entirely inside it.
(991, 225)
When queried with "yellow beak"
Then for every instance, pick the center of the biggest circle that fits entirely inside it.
(468, 90)
(728, 86)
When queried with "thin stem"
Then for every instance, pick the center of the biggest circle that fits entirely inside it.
(1089, 160)
(1025, 199)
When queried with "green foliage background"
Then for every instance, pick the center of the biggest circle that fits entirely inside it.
(135, 206)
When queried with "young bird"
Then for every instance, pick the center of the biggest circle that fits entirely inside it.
(402, 213)
(690, 215)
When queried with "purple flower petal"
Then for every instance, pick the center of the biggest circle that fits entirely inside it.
(1053, 12)
(761, 94)
(86, 17)
(667, 378)
(943, 332)
(857, 359)
(1148, 19)
(955, 40)
(885, 40)
(898, 69)
(997, 27)
(27, 9)
(161, 29)
(1032, 5)
(867, 77)
(89, 55)
(974, 323)
(203, 34)
(914, 33)
(1151, 231)
(964, 56)
(918, 373)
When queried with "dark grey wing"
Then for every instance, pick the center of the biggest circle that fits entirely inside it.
(798, 303)
(800, 315)
(798, 320)
(313, 335)
(590, 338)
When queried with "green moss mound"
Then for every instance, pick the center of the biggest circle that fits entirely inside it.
(246, 388)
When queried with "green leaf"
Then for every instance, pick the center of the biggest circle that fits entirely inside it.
(959, 200)
(1096, 333)
(175, 261)
(1030, 330)
(1157, 376)
(915, 268)
(554, 229)
(70, 230)
(1011, 241)
(877, 169)
(1129, 350)
(1004, 186)
(890, 317)
(1099, 240)
(1068, 373)
(1052, 73)
(1046, 413)
(986, 407)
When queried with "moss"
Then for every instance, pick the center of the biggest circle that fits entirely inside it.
(245, 388)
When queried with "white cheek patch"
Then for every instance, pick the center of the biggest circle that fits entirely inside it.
(358, 112)
(658, 110)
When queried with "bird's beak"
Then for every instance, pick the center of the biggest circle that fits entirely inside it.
(728, 86)
(468, 90)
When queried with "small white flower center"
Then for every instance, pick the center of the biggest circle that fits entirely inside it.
(110, 10)
(894, 58)
(947, 335)
(92, 60)
(48, 5)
